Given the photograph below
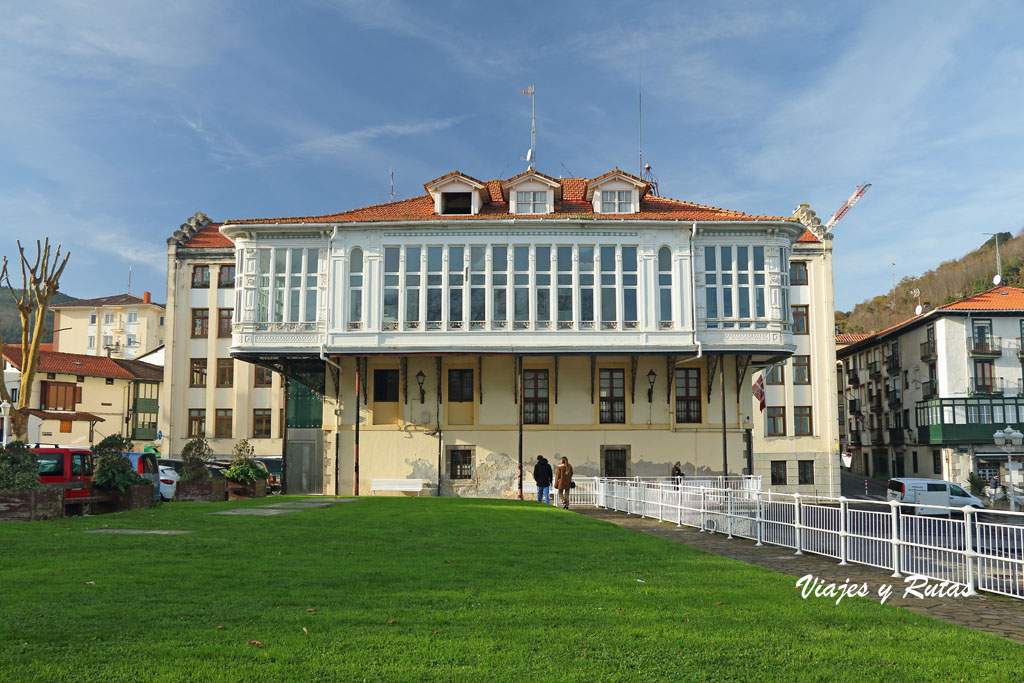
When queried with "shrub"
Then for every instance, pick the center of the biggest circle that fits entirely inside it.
(114, 471)
(243, 468)
(19, 468)
(976, 483)
(115, 443)
(194, 457)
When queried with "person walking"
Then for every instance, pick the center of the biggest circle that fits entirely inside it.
(677, 473)
(542, 475)
(563, 481)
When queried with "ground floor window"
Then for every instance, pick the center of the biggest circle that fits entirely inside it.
(222, 426)
(805, 471)
(778, 472)
(987, 470)
(614, 461)
(197, 422)
(460, 463)
(261, 423)
(937, 461)
(688, 395)
(913, 457)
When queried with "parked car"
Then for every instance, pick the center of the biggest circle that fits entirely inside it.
(60, 464)
(273, 465)
(930, 491)
(168, 482)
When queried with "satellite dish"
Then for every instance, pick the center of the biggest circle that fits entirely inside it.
(529, 155)
(996, 280)
(918, 309)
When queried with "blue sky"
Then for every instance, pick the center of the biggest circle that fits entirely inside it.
(118, 120)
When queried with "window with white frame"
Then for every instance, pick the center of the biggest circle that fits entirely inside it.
(456, 266)
(92, 341)
(287, 284)
(532, 202)
(521, 286)
(108, 318)
(355, 289)
(477, 287)
(133, 317)
(389, 318)
(586, 286)
(435, 273)
(542, 287)
(499, 285)
(413, 268)
(565, 287)
(664, 288)
(92, 318)
(616, 201)
(734, 286)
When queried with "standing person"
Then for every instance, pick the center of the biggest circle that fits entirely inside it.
(993, 485)
(542, 475)
(677, 472)
(563, 481)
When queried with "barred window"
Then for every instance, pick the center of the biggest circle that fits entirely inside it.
(612, 408)
(460, 463)
(688, 395)
(805, 471)
(535, 397)
(460, 386)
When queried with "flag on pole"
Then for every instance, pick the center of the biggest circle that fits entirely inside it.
(759, 391)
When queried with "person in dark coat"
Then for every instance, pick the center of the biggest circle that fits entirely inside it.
(542, 475)
(677, 473)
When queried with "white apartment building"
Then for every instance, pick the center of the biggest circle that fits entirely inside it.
(924, 397)
(457, 335)
(120, 326)
(207, 392)
(796, 439)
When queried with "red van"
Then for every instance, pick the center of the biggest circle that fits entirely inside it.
(65, 464)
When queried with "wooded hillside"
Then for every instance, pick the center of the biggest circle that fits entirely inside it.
(952, 280)
(10, 321)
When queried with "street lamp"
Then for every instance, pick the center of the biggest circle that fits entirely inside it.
(419, 379)
(651, 376)
(5, 411)
(1007, 439)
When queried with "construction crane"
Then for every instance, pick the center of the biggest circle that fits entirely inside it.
(847, 205)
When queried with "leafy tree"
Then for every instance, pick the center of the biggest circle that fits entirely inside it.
(19, 468)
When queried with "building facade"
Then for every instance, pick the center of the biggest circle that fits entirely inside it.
(925, 397)
(78, 399)
(120, 326)
(455, 335)
(209, 393)
(796, 438)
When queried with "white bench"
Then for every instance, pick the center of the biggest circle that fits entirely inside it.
(411, 485)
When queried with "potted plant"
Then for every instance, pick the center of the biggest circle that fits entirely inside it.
(114, 473)
(22, 496)
(196, 485)
(247, 478)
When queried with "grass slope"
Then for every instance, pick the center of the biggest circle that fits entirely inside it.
(472, 588)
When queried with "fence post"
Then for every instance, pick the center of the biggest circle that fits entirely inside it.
(895, 538)
(679, 517)
(796, 524)
(728, 510)
(969, 553)
(759, 517)
(842, 531)
(702, 508)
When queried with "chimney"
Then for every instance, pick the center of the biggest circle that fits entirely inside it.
(145, 297)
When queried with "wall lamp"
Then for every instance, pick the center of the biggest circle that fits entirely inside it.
(419, 380)
(651, 376)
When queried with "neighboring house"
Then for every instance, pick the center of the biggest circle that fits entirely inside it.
(79, 399)
(120, 326)
(603, 323)
(842, 341)
(210, 394)
(924, 397)
(795, 438)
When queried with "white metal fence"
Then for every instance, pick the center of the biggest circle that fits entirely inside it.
(978, 549)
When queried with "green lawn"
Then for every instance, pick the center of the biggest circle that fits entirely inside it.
(413, 588)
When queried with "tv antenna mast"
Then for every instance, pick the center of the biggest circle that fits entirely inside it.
(531, 156)
(999, 265)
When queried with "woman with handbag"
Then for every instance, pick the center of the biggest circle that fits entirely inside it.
(563, 481)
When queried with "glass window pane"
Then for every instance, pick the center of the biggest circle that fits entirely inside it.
(434, 258)
(543, 257)
(565, 259)
(455, 259)
(499, 257)
(709, 259)
(522, 258)
(629, 259)
(607, 258)
(586, 259)
(478, 259)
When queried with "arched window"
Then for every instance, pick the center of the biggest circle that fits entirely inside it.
(355, 289)
(664, 288)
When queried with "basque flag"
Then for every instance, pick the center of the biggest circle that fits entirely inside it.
(759, 391)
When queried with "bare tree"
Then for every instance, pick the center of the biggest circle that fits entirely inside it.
(39, 283)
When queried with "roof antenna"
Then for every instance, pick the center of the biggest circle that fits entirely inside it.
(640, 122)
(531, 156)
(392, 173)
(129, 278)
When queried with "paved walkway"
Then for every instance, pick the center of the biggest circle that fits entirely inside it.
(984, 612)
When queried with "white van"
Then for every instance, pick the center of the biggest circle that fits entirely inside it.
(933, 492)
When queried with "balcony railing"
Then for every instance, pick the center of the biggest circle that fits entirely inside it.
(876, 436)
(892, 364)
(930, 388)
(928, 350)
(985, 346)
(853, 377)
(896, 436)
(855, 438)
(854, 405)
(986, 385)
(1020, 349)
(894, 397)
(875, 401)
(874, 369)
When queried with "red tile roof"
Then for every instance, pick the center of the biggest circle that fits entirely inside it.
(116, 300)
(91, 366)
(850, 338)
(453, 174)
(572, 205)
(807, 236)
(77, 416)
(996, 299)
(209, 236)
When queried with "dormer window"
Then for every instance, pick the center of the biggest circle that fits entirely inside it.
(532, 202)
(456, 203)
(616, 201)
